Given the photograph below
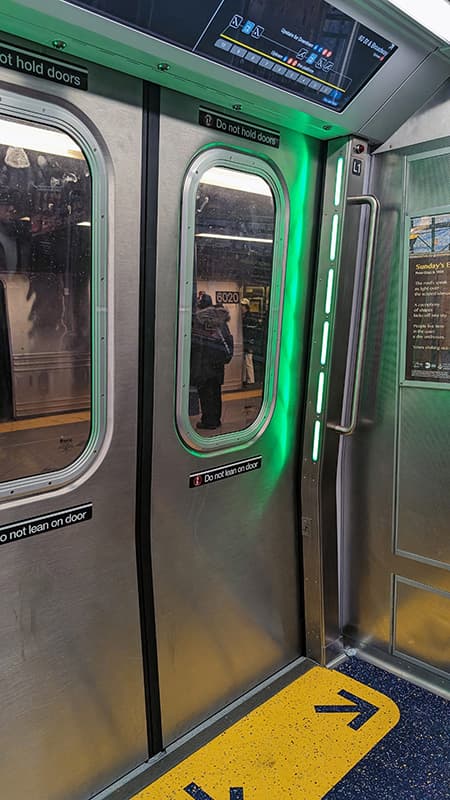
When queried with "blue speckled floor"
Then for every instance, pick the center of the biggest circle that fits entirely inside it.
(413, 761)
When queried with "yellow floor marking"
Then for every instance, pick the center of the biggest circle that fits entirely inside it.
(241, 395)
(44, 422)
(285, 748)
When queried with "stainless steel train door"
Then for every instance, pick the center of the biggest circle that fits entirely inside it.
(235, 246)
(72, 694)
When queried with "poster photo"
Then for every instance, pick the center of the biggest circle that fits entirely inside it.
(428, 316)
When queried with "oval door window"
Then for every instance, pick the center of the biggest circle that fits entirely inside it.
(45, 306)
(231, 280)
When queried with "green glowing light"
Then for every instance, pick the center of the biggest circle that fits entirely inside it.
(279, 439)
(319, 404)
(278, 435)
(338, 184)
(280, 442)
(329, 296)
(323, 353)
(334, 236)
(316, 440)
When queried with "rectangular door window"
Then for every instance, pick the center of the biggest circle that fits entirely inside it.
(45, 306)
(231, 269)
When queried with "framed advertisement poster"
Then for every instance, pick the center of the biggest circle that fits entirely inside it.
(428, 301)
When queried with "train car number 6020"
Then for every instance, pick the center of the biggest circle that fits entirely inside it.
(227, 297)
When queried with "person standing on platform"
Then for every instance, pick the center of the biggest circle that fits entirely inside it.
(249, 333)
(212, 348)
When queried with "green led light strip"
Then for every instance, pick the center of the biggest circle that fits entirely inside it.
(334, 237)
(323, 352)
(316, 440)
(320, 388)
(329, 295)
(338, 184)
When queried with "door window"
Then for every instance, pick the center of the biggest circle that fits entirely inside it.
(45, 306)
(231, 278)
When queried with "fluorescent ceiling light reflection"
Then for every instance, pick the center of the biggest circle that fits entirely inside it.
(240, 181)
(234, 238)
(433, 15)
(43, 140)
(83, 224)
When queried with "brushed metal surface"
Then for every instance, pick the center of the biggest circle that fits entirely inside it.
(423, 127)
(398, 459)
(422, 624)
(225, 560)
(423, 499)
(319, 473)
(368, 459)
(429, 179)
(71, 683)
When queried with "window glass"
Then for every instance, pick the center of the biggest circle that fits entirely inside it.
(233, 262)
(45, 313)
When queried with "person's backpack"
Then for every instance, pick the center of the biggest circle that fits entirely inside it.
(225, 348)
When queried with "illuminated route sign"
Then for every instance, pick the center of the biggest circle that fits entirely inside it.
(308, 48)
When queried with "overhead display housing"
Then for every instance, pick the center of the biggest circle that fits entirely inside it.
(308, 48)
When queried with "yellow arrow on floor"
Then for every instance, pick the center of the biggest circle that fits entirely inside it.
(297, 745)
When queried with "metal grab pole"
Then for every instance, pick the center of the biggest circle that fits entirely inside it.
(374, 206)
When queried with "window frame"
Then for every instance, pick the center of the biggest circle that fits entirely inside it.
(50, 115)
(218, 155)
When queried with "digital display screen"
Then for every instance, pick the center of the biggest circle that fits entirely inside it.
(306, 47)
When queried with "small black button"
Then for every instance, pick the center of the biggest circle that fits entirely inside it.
(357, 166)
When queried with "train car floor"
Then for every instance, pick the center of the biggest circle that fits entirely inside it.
(353, 732)
(412, 762)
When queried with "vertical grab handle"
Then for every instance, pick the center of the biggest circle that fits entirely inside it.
(374, 211)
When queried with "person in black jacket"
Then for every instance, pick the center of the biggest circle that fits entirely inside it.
(249, 334)
(211, 349)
